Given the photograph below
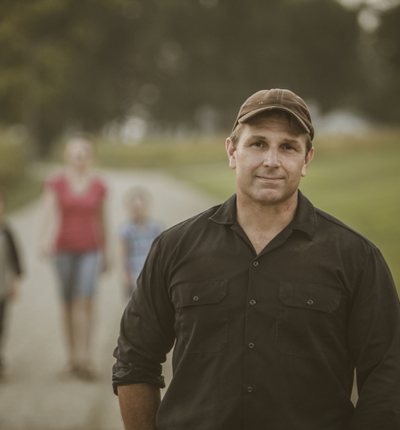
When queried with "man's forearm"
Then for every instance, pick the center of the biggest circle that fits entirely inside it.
(139, 404)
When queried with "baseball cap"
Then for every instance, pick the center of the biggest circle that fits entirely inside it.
(276, 99)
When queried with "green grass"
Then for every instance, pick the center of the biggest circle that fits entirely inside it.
(22, 191)
(356, 180)
(362, 188)
(155, 153)
(15, 178)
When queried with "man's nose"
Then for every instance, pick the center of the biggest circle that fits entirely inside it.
(271, 158)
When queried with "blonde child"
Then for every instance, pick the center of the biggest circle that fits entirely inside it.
(136, 235)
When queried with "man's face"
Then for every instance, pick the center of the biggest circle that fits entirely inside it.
(270, 159)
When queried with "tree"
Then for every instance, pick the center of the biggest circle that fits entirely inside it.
(60, 64)
(82, 63)
(384, 101)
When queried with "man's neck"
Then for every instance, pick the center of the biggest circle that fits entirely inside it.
(262, 222)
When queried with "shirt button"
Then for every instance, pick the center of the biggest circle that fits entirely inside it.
(196, 298)
(310, 302)
(251, 345)
(249, 389)
(255, 263)
(252, 302)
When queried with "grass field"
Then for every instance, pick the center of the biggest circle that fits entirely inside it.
(22, 191)
(356, 180)
(18, 184)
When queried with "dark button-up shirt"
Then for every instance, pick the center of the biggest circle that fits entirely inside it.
(267, 341)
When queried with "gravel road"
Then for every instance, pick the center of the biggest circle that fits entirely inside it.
(32, 395)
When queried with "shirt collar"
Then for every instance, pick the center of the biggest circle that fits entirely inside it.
(304, 220)
(226, 213)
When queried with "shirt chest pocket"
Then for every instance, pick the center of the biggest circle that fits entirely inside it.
(306, 320)
(201, 321)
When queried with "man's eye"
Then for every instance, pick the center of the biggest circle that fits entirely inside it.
(287, 147)
(258, 144)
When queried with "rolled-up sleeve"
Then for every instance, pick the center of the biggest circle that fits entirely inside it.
(147, 327)
(374, 343)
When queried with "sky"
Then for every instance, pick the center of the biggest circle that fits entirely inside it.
(368, 16)
(374, 4)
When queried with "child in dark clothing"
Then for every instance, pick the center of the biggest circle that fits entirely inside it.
(10, 270)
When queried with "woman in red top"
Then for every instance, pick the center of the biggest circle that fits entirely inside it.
(73, 233)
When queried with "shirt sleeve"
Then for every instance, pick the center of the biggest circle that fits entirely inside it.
(14, 255)
(374, 343)
(53, 181)
(147, 328)
(102, 187)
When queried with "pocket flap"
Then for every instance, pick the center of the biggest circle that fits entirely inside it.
(199, 293)
(310, 296)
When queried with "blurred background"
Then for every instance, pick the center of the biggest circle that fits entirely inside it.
(159, 84)
(128, 69)
(157, 80)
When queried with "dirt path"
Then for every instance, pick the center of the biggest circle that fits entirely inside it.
(33, 397)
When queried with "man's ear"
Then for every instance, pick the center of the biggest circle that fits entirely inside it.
(307, 161)
(231, 151)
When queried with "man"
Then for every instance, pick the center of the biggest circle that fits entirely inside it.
(271, 303)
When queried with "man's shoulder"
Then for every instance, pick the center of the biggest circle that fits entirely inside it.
(192, 224)
(341, 229)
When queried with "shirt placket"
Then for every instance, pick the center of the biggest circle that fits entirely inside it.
(252, 382)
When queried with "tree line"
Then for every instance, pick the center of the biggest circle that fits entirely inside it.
(80, 64)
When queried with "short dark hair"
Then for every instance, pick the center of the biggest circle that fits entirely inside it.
(235, 135)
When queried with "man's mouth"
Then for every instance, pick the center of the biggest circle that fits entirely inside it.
(269, 178)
